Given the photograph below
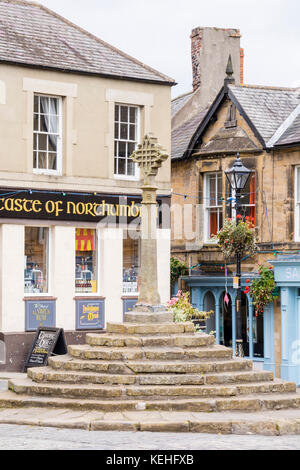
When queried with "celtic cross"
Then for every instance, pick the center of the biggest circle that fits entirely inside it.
(149, 156)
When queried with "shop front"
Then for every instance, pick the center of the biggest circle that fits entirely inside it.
(287, 277)
(68, 260)
(216, 293)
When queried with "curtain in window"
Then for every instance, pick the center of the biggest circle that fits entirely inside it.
(252, 199)
(213, 217)
(49, 109)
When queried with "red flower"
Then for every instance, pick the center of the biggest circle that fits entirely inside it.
(239, 216)
(248, 280)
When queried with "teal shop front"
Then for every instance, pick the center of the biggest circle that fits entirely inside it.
(287, 277)
(208, 292)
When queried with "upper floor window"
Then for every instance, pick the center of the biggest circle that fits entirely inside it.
(47, 138)
(126, 139)
(297, 204)
(213, 191)
(247, 200)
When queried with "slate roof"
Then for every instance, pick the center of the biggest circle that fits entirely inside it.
(33, 35)
(179, 102)
(292, 134)
(266, 107)
(182, 135)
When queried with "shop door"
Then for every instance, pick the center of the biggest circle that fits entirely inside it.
(226, 321)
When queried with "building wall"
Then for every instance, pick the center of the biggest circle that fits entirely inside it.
(88, 127)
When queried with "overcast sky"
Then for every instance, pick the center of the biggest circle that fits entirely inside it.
(157, 32)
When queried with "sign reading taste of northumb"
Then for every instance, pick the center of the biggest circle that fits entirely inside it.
(25, 204)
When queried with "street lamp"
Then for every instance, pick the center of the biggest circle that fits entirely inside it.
(237, 177)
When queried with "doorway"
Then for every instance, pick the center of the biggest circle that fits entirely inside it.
(225, 320)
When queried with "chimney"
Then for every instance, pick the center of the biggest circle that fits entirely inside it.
(242, 66)
(210, 49)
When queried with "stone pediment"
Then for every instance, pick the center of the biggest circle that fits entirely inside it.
(232, 139)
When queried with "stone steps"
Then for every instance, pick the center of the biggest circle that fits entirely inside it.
(246, 403)
(123, 391)
(46, 374)
(69, 363)
(150, 328)
(119, 341)
(160, 354)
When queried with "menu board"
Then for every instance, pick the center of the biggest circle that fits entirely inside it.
(47, 342)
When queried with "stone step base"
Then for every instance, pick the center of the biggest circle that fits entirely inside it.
(268, 423)
(142, 392)
(250, 404)
(150, 328)
(122, 341)
(46, 374)
(160, 354)
(149, 367)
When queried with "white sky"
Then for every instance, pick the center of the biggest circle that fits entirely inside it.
(157, 32)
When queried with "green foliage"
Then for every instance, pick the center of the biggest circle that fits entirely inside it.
(262, 290)
(236, 238)
(177, 269)
(183, 310)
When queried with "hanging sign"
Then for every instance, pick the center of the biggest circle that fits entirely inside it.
(236, 283)
(47, 342)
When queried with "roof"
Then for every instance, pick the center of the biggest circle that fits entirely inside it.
(182, 135)
(272, 113)
(233, 139)
(33, 35)
(292, 134)
(179, 102)
(266, 107)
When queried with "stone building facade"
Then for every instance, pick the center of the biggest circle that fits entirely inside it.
(261, 124)
(72, 110)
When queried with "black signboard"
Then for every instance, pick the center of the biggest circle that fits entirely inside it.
(52, 205)
(47, 342)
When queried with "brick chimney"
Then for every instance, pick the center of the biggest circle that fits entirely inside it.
(210, 49)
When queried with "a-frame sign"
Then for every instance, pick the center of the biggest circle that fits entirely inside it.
(47, 342)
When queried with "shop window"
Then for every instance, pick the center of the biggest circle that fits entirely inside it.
(47, 134)
(208, 305)
(86, 261)
(213, 204)
(131, 262)
(36, 260)
(126, 139)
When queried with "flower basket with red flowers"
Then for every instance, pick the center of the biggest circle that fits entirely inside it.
(262, 290)
(236, 238)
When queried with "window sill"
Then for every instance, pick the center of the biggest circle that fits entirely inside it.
(47, 172)
(89, 297)
(126, 178)
(38, 297)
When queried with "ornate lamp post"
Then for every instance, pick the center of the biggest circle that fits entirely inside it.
(238, 176)
(149, 156)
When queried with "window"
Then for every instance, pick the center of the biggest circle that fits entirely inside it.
(47, 134)
(86, 261)
(248, 199)
(297, 204)
(36, 260)
(126, 139)
(213, 188)
(131, 262)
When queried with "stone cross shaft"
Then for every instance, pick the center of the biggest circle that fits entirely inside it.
(149, 156)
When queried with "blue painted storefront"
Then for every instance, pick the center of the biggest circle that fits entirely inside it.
(287, 277)
(262, 350)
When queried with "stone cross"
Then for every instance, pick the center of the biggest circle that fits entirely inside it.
(149, 156)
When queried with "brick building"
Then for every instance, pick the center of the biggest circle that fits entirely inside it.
(262, 124)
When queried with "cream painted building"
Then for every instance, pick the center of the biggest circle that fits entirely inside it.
(72, 110)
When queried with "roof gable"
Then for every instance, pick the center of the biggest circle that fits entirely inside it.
(33, 35)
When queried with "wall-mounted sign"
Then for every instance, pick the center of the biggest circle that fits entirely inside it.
(47, 342)
(90, 314)
(39, 313)
(24, 204)
(236, 283)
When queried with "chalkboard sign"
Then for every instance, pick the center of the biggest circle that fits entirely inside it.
(47, 342)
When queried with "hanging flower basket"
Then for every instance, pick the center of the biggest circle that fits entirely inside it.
(236, 239)
(263, 290)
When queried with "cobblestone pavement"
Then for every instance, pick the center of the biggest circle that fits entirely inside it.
(14, 437)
